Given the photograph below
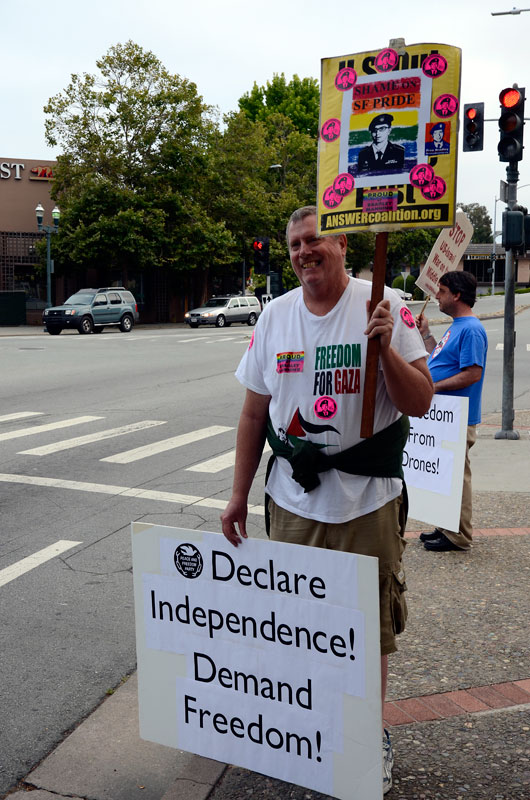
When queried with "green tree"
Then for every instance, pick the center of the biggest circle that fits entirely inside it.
(299, 100)
(131, 178)
(481, 221)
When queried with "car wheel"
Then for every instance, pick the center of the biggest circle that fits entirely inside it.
(251, 319)
(220, 322)
(86, 325)
(126, 323)
(54, 331)
(98, 329)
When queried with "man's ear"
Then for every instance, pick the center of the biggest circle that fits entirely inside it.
(343, 241)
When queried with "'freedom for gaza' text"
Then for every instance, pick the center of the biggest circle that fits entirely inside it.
(268, 629)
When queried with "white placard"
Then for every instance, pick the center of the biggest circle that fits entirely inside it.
(433, 462)
(445, 254)
(265, 656)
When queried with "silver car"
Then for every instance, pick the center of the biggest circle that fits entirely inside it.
(222, 311)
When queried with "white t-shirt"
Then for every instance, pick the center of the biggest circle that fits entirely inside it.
(313, 368)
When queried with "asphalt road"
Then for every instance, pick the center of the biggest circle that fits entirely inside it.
(67, 628)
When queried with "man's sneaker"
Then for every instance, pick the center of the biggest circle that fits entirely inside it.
(427, 537)
(388, 761)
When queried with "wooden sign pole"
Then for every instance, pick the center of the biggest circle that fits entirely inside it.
(374, 345)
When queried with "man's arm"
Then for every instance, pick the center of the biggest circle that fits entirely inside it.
(423, 326)
(409, 385)
(460, 380)
(251, 435)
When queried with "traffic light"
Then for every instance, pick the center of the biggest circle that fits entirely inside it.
(276, 284)
(513, 229)
(473, 127)
(260, 246)
(511, 124)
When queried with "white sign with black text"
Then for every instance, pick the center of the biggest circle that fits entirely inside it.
(433, 462)
(265, 656)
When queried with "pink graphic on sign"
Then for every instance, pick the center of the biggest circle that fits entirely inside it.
(407, 317)
(434, 66)
(345, 79)
(325, 407)
(435, 189)
(343, 184)
(421, 175)
(445, 106)
(330, 130)
(386, 60)
(330, 198)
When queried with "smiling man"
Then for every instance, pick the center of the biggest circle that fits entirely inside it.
(304, 375)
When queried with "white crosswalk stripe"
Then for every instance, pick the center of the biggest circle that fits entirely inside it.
(218, 463)
(122, 491)
(162, 446)
(20, 415)
(35, 560)
(99, 436)
(50, 426)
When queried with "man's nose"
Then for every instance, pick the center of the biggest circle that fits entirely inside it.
(304, 248)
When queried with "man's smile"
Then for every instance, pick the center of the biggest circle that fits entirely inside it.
(310, 264)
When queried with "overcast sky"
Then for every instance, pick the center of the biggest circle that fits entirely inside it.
(226, 45)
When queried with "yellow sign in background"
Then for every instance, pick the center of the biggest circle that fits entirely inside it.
(388, 140)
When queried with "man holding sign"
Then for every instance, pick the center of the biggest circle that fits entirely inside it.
(304, 373)
(457, 365)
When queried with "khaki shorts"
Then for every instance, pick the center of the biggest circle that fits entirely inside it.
(380, 534)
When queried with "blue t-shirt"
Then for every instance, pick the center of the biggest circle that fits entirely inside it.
(465, 344)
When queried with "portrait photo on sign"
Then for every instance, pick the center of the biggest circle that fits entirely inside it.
(386, 118)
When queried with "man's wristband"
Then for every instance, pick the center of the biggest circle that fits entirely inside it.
(428, 336)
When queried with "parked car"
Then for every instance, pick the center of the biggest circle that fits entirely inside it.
(222, 311)
(91, 310)
(403, 295)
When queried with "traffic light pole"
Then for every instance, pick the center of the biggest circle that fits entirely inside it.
(508, 414)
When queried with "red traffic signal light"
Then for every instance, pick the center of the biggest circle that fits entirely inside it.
(473, 127)
(511, 124)
(260, 246)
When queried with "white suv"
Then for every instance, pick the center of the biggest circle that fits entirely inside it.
(222, 311)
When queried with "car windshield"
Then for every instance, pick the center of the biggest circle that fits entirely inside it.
(79, 299)
(215, 302)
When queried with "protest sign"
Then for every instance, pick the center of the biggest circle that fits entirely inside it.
(445, 254)
(265, 656)
(388, 139)
(433, 462)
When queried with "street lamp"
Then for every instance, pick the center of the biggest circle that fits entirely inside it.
(48, 230)
(513, 11)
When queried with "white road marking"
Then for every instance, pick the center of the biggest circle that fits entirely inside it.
(528, 348)
(219, 463)
(123, 491)
(165, 444)
(499, 346)
(20, 415)
(40, 557)
(51, 426)
(99, 436)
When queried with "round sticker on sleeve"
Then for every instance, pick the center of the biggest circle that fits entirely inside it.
(434, 66)
(421, 175)
(330, 198)
(445, 106)
(345, 79)
(325, 407)
(386, 60)
(343, 184)
(330, 130)
(407, 317)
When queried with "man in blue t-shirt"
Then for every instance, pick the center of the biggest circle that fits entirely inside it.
(457, 365)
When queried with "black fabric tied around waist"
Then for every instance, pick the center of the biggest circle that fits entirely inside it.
(381, 456)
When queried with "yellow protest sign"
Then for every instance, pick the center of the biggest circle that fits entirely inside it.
(388, 139)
